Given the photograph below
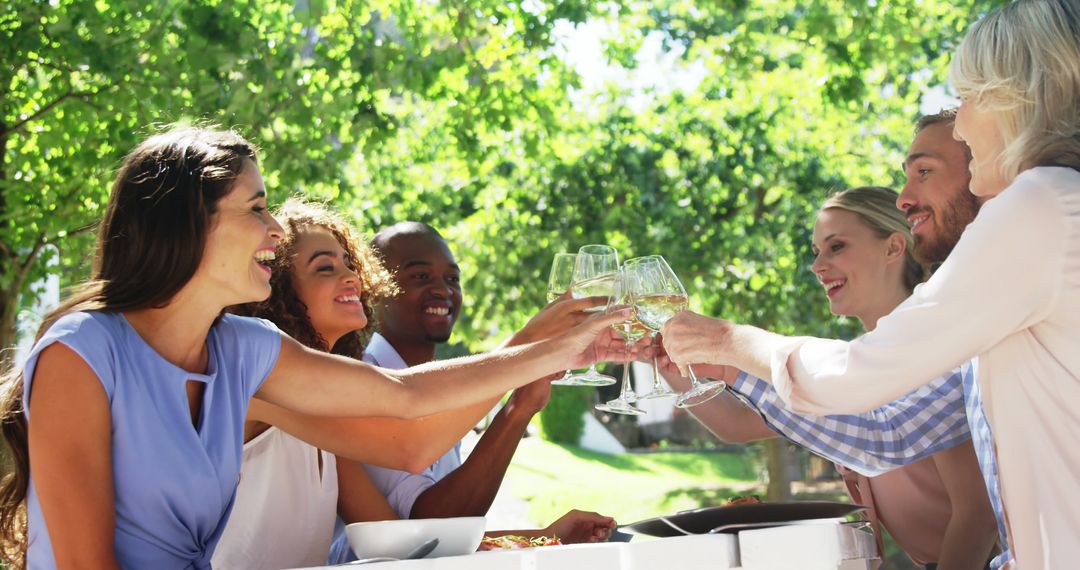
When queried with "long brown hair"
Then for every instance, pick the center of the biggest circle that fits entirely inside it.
(148, 246)
(285, 309)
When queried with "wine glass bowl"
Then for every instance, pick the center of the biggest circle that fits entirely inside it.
(559, 281)
(594, 272)
(631, 330)
(660, 296)
(595, 267)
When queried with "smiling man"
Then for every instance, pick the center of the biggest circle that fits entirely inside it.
(411, 325)
(422, 316)
(936, 197)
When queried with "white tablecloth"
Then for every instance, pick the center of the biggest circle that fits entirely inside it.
(821, 546)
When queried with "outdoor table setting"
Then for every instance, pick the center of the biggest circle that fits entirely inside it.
(802, 535)
(744, 534)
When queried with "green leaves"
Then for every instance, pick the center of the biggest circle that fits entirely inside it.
(464, 116)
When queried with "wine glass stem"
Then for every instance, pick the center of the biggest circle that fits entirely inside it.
(655, 369)
(693, 377)
(625, 377)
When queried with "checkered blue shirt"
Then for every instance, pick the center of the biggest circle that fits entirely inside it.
(919, 424)
(983, 439)
(934, 417)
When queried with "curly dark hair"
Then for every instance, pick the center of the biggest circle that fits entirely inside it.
(285, 309)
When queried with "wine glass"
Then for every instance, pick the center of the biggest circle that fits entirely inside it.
(594, 273)
(661, 297)
(595, 269)
(631, 330)
(648, 274)
(559, 281)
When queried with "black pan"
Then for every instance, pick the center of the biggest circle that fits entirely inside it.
(702, 521)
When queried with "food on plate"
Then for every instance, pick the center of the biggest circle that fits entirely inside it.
(742, 500)
(511, 542)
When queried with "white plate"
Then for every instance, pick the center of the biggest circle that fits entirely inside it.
(457, 536)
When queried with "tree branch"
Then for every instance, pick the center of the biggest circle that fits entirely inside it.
(81, 229)
(84, 95)
(24, 266)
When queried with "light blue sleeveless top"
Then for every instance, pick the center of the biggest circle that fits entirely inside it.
(174, 482)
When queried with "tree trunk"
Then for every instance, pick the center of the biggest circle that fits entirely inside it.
(9, 306)
(777, 464)
(9, 299)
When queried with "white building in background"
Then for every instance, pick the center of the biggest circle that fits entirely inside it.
(659, 410)
(596, 436)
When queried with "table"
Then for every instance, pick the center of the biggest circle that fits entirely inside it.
(815, 545)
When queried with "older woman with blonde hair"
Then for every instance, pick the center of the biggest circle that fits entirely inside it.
(1008, 295)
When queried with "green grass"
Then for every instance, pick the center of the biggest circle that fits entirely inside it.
(555, 478)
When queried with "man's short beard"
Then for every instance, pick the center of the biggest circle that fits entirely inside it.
(437, 339)
(951, 223)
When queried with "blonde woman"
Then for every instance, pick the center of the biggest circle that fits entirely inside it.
(1009, 294)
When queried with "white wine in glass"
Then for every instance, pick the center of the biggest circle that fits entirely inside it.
(599, 286)
(661, 297)
(594, 275)
(655, 309)
(631, 330)
(559, 281)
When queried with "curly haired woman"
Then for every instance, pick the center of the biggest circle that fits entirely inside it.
(324, 285)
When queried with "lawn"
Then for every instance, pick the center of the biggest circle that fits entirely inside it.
(554, 478)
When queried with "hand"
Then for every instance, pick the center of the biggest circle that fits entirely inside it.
(595, 340)
(668, 368)
(664, 365)
(532, 397)
(556, 318)
(690, 338)
(581, 526)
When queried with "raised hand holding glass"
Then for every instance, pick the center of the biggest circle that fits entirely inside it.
(631, 330)
(661, 297)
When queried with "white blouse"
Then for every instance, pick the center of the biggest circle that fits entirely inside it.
(285, 506)
(1010, 295)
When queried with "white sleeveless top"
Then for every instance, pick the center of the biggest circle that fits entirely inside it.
(285, 508)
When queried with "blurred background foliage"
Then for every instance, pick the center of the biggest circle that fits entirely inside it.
(474, 117)
(706, 131)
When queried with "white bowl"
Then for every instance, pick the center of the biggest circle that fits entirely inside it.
(457, 536)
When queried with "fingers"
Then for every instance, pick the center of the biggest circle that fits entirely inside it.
(673, 338)
(569, 304)
(600, 320)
